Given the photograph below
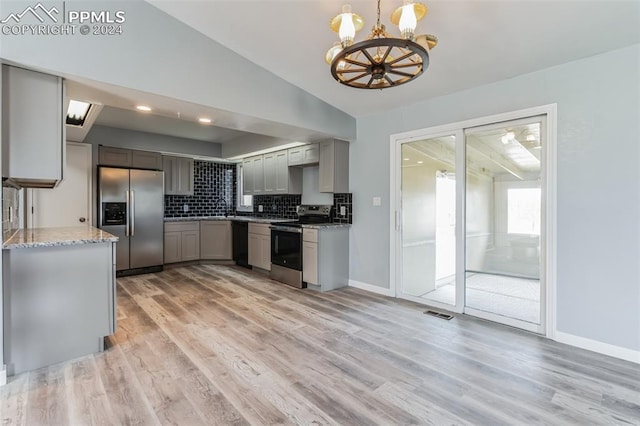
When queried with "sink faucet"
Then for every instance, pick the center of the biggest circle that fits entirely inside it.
(220, 200)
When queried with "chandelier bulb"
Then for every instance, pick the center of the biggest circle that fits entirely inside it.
(408, 20)
(347, 30)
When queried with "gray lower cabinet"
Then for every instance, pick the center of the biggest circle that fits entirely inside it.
(129, 158)
(33, 111)
(181, 241)
(59, 303)
(215, 240)
(334, 166)
(325, 258)
(178, 175)
(260, 245)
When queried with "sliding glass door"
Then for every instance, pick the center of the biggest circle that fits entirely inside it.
(470, 223)
(503, 218)
(428, 181)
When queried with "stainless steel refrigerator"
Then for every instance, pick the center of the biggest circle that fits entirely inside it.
(131, 207)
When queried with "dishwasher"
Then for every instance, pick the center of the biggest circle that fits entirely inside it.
(240, 231)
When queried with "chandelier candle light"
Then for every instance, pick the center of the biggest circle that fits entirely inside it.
(380, 61)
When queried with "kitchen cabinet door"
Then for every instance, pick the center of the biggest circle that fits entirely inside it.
(270, 173)
(257, 169)
(172, 247)
(190, 245)
(255, 250)
(281, 172)
(114, 157)
(265, 252)
(310, 262)
(303, 155)
(178, 175)
(247, 177)
(33, 132)
(334, 166)
(215, 240)
(146, 160)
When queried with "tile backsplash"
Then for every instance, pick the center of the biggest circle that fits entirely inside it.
(281, 206)
(214, 192)
(346, 201)
(10, 202)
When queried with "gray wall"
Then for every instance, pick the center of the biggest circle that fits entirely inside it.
(132, 139)
(598, 184)
(159, 54)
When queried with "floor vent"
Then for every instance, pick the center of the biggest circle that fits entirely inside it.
(439, 315)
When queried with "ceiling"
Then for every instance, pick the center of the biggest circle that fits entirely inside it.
(479, 41)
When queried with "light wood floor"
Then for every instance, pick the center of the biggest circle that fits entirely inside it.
(223, 345)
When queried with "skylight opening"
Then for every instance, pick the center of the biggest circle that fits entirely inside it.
(77, 113)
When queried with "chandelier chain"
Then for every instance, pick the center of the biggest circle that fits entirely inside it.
(378, 23)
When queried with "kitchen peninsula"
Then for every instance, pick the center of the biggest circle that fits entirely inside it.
(59, 295)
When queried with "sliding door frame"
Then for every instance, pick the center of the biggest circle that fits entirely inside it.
(548, 262)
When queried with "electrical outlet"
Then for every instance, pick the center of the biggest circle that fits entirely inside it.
(377, 201)
(343, 210)
(260, 208)
(185, 208)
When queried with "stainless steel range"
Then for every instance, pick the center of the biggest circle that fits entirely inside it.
(286, 243)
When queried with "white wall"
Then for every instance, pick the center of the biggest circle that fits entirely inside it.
(598, 185)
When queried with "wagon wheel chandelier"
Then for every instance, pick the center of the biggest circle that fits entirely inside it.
(380, 61)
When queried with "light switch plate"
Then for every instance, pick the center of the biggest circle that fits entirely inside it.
(377, 201)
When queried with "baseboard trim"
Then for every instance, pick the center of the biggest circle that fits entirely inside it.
(372, 288)
(3, 375)
(599, 347)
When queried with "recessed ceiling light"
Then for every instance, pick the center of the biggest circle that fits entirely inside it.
(420, 162)
(531, 138)
(204, 120)
(406, 159)
(143, 108)
(508, 137)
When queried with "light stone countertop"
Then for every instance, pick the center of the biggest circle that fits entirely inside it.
(327, 226)
(53, 237)
(234, 218)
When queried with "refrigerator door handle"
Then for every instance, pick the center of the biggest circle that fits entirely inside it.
(128, 216)
(133, 213)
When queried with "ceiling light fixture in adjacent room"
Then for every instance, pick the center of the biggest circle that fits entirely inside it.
(381, 60)
(143, 108)
(204, 120)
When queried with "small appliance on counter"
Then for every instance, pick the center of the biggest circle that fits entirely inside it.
(286, 243)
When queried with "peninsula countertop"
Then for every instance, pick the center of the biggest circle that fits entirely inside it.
(52, 237)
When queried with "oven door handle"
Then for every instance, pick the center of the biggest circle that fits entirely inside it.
(286, 229)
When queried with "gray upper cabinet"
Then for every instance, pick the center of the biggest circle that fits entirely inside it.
(278, 177)
(178, 175)
(334, 166)
(304, 155)
(120, 157)
(253, 178)
(114, 157)
(33, 114)
(146, 160)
